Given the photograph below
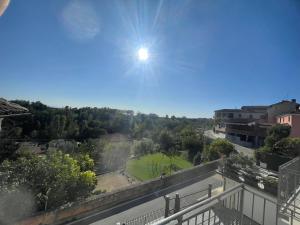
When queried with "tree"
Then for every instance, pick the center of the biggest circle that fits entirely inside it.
(85, 162)
(191, 142)
(277, 142)
(143, 147)
(166, 141)
(53, 180)
(210, 154)
(276, 133)
(217, 148)
(287, 146)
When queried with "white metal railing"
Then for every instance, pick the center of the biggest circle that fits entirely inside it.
(239, 205)
(201, 209)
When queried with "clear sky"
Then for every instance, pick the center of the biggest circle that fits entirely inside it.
(203, 54)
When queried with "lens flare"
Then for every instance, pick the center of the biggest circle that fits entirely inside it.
(143, 54)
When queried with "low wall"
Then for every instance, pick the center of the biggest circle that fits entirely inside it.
(108, 200)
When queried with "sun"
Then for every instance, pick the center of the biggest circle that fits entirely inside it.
(143, 54)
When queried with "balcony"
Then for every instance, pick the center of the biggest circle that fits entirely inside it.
(237, 205)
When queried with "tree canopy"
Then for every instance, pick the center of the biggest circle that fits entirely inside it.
(53, 179)
(218, 148)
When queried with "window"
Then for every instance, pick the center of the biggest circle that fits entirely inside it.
(251, 116)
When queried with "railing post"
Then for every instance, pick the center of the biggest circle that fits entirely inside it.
(167, 207)
(224, 184)
(177, 203)
(177, 208)
(242, 205)
(209, 190)
(277, 214)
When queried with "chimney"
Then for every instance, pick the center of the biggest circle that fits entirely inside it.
(293, 100)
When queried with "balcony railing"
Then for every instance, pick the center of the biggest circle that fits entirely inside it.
(239, 205)
(289, 182)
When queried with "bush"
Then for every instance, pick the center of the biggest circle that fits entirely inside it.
(53, 180)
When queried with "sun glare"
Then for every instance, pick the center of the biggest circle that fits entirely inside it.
(143, 54)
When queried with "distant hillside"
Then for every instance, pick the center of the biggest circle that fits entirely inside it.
(46, 123)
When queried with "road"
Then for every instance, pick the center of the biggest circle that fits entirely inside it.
(128, 211)
(241, 149)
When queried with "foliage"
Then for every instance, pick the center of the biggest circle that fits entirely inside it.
(144, 147)
(48, 123)
(54, 179)
(240, 160)
(8, 135)
(45, 124)
(153, 165)
(278, 143)
(191, 141)
(217, 148)
(287, 146)
(85, 162)
(276, 133)
(166, 141)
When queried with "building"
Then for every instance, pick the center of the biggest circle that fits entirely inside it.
(282, 108)
(9, 109)
(248, 125)
(293, 120)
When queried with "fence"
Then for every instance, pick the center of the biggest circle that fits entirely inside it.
(289, 181)
(147, 218)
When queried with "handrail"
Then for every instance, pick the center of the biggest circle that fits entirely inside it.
(207, 202)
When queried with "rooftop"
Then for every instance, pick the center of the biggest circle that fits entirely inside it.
(8, 108)
(257, 108)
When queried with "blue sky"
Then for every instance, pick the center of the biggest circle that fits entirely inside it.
(203, 54)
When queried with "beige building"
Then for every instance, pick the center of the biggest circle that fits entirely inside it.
(248, 125)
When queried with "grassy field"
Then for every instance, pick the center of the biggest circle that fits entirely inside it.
(150, 166)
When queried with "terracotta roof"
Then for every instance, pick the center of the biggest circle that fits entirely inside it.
(9, 108)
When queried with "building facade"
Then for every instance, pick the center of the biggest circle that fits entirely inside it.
(248, 125)
(293, 120)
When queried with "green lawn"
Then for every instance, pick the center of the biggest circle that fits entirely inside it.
(150, 166)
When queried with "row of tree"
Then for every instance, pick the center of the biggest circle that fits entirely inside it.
(47, 123)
